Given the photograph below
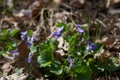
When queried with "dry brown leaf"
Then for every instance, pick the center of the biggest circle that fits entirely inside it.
(15, 76)
(36, 7)
(109, 41)
(6, 68)
(62, 49)
(111, 2)
(26, 14)
(103, 56)
(11, 21)
(23, 54)
(57, 1)
(82, 1)
(115, 1)
(63, 45)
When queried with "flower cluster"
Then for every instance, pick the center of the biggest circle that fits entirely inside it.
(29, 41)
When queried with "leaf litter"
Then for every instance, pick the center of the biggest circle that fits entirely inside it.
(42, 16)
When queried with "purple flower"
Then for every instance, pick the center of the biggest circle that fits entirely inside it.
(15, 54)
(91, 46)
(29, 59)
(24, 35)
(80, 29)
(71, 62)
(29, 43)
(34, 39)
(58, 33)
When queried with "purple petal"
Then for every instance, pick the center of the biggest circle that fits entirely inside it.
(58, 33)
(80, 29)
(71, 65)
(24, 35)
(15, 54)
(34, 38)
(91, 46)
(60, 30)
(70, 60)
(29, 59)
(29, 43)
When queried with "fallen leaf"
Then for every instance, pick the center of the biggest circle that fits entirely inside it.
(63, 45)
(23, 54)
(103, 56)
(6, 68)
(109, 41)
(36, 7)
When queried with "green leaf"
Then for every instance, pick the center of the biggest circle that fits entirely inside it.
(33, 49)
(83, 72)
(49, 45)
(45, 59)
(99, 48)
(94, 69)
(13, 32)
(1, 73)
(56, 68)
(61, 24)
(30, 32)
(3, 36)
(112, 66)
(1, 53)
(1, 2)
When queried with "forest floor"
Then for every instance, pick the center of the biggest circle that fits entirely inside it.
(42, 15)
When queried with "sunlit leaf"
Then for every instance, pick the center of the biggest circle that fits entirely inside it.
(13, 32)
(45, 59)
(56, 68)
